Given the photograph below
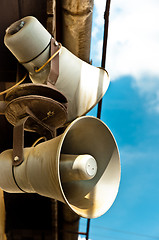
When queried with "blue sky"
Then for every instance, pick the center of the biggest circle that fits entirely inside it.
(131, 110)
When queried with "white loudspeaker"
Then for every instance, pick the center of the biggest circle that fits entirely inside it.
(82, 84)
(81, 168)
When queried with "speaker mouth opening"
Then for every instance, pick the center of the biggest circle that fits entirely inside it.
(16, 27)
(91, 198)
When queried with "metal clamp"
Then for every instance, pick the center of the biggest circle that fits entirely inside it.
(18, 136)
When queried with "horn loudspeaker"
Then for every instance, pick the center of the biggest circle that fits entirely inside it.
(82, 84)
(81, 168)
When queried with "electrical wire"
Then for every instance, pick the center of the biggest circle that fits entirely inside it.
(54, 55)
(130, 233)
(39, 139)
(15, 85)
(124, 232)
(103, 237)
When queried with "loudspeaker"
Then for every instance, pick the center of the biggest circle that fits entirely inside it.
(82, 84)
(81, 168)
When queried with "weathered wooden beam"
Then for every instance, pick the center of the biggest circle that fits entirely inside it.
(51, 17)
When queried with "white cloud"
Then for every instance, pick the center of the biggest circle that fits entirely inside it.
(133, 43)
(82, 238)
(149, 87)
(100, 6)
(94, 31)
(133, 38)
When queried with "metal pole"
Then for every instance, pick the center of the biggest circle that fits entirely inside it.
(106, 23)
(88, 227)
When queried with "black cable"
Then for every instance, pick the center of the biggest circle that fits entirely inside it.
(16, 181)
(105, 40)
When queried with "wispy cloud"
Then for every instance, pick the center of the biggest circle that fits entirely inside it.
(133, 43)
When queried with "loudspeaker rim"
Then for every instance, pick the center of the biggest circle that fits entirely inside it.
(61, 142)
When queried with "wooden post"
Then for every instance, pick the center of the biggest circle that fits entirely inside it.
(2, 216)
(51, 17)
(51, 27)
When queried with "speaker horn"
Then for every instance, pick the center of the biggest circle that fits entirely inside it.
(81, 168)
(82, 84)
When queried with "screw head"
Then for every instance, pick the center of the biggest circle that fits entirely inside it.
(21, 24)
(16, 158)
